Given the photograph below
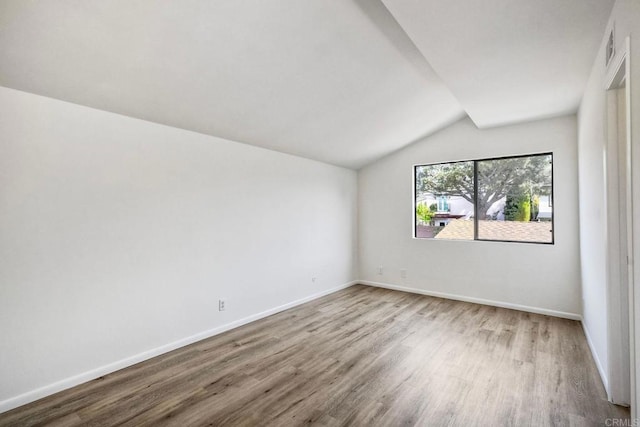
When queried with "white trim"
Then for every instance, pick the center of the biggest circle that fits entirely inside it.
(619, 246)
(537, 310)
(601, 370)
(614, 67)
(50, 389)
(634, 294)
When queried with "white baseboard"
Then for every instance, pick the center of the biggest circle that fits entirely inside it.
(537, 310)
(67, 383)
(601, 371)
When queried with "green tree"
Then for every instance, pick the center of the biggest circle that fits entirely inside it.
(496, 179)
(423, 213)
(535, 207)
(517, 207)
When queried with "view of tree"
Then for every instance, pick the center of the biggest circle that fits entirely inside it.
(447, 179)
(497, 178)
(424, 213)
(521, 206)
(535, 207)
(517, 207)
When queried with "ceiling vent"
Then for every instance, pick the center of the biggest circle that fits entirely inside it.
(610, 49)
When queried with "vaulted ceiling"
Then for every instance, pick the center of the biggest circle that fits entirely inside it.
(344, 82)
(508, 61)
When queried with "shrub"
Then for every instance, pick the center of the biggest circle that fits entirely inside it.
(517, 207)
(423, 213)
(535, 208)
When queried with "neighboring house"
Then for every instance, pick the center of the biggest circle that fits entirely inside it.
(448, 208)
(454, 207)
(545, 208)
(453, 220)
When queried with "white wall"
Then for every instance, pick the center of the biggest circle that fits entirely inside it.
(545, 278)
(593, 250)
(118, 237)
(592, 135)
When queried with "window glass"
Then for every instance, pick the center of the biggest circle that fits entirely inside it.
(504, 199)
(444, 201)
(514, 199)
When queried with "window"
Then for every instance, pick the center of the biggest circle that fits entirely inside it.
(443, 205)
(512, 196)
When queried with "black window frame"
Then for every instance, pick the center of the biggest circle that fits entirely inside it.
(475, 198)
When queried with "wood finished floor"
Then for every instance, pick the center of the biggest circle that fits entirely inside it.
(361, 356)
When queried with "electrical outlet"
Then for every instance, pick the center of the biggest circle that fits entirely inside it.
(403, 273)
(222, 305)
(380, 270)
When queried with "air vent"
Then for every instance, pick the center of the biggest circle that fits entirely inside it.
(610, 49)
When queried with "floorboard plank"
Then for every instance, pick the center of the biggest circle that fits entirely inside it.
(361, 356)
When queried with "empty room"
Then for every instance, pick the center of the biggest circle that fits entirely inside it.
(333, 213)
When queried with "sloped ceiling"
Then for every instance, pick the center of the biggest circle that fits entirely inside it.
(315, 78)
(508, 61)
(336, 81)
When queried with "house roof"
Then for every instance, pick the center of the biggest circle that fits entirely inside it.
(447, 215)
(461, 229)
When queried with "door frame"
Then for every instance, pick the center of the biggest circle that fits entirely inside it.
(622, 376)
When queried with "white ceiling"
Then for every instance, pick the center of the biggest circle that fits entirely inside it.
(336, 81)
(508, 61)
(316, 78)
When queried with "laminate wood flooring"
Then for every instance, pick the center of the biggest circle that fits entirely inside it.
(361, 356)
